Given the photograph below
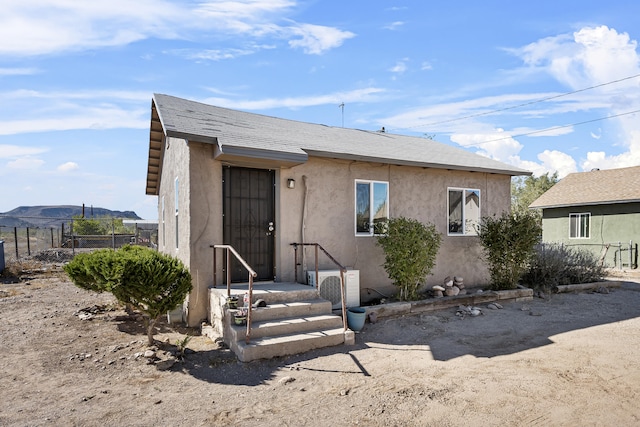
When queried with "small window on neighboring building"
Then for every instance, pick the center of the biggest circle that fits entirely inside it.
(464, 211)
(579, 225)
(372, 207)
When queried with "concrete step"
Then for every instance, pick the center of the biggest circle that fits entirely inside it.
(291, 309)
(286, 326)
(273, 292)
(283, 345)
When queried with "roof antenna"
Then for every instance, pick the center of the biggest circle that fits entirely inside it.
(342, 107)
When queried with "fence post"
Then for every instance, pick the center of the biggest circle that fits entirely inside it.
(51, 237)
(15, 236)
(619, 255)
(113, 234)
(73, 242)
(28, 243)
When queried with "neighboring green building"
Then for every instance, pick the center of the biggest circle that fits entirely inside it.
(598, 211)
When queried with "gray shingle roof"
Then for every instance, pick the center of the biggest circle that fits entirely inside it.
(593, 188)
(241, 133)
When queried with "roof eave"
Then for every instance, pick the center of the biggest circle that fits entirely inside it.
(253, 157)
(593, 203)
(383, 160)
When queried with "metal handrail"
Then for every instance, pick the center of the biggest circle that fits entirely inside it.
(229, 249)
(340, 266)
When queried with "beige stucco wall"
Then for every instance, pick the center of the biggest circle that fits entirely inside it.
(205, 193)
(320, 209)
(328, 188)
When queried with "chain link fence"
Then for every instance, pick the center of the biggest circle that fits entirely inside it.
(70, 235)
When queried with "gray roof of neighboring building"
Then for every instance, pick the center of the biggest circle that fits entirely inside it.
(253, 135)
(596, 187)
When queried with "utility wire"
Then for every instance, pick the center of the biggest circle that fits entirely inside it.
(552, 128)
(524, 105)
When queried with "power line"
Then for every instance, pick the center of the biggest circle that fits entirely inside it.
(548, 98)
(553, 128)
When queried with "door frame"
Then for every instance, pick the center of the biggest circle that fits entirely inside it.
(253, 216)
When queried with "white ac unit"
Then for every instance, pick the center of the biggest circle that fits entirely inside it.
(329, 286)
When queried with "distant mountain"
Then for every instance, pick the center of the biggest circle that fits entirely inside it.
(53, 216)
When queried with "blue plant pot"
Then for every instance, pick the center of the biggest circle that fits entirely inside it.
(355, 318)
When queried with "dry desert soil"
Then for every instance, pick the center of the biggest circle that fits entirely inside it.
(568, 360)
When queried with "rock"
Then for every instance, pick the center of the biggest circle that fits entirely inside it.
(438, 288)
(373, 317)
(286, 380)
(83, 315)
(449, 292)
(492, 306)
(150, 354)
(438, 294)
(455, 290)
(166, 364)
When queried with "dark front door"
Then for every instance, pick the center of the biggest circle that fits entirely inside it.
(249, 212)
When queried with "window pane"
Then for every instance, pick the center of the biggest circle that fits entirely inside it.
(363, 207)
(455, 212)
(573, 226)
(585, 226)
(381, 205)
(471, 211)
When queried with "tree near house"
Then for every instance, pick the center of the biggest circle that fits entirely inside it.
(410, 249)
(524, 190)
(138, 277)
(509, 242)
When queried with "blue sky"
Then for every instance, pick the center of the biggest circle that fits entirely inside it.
(526, 83)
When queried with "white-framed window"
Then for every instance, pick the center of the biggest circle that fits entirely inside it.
(579, 225)
(177, 198)
(463, 211)
(372, 207)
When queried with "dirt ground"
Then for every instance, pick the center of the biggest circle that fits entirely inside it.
(570, 360)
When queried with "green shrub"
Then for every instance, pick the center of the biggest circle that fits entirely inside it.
(140, 277)
(555, 264)
(410, 249)
(509, 243)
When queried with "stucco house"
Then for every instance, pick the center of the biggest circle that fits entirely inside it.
(261, 183)
(597, 211)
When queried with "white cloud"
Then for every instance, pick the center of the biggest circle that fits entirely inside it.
(17, 71)
(394, 25)
(39, 27)
(317, 39)
(35, 27)
(25, 163)
(426, 66)
(72, 110)
(557, 161)
(92, 118)
(358, 95)
(68, 167)
(11, 151)
(400, 67)
(212, 54)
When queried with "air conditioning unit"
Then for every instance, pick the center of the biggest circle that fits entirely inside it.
(329, 286)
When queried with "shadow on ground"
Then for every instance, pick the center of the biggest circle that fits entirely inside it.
(519, 326)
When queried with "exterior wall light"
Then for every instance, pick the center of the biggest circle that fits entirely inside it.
(291, 183)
